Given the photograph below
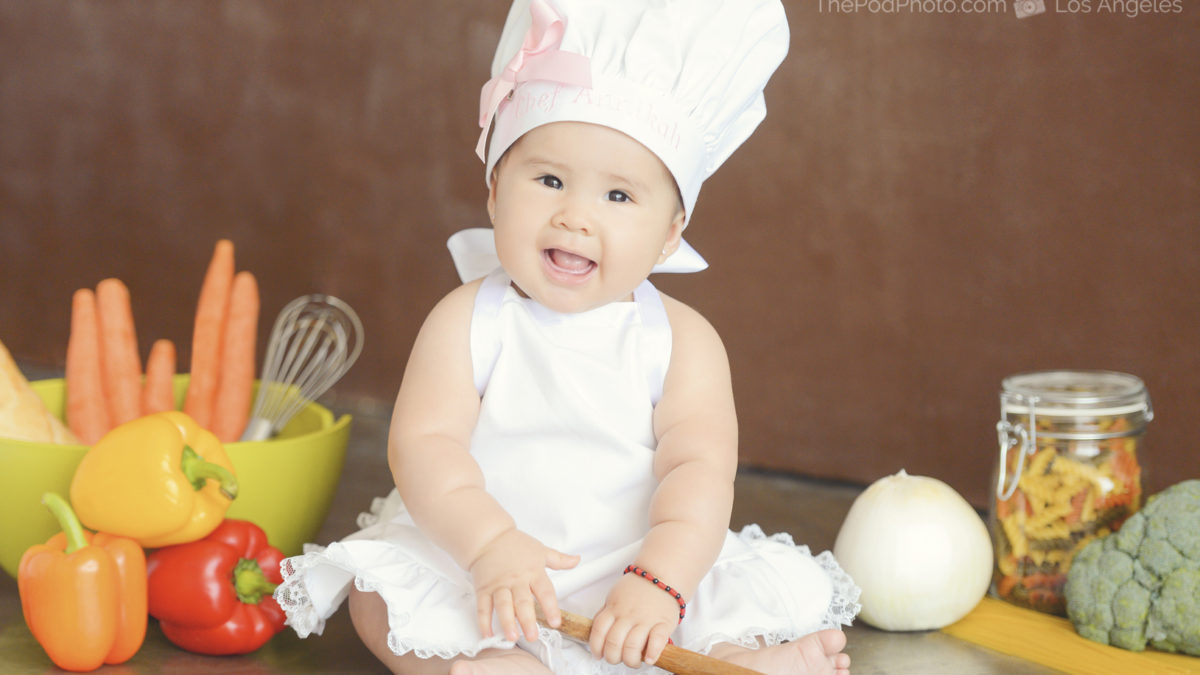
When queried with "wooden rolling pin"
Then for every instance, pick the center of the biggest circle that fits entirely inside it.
(674, 659)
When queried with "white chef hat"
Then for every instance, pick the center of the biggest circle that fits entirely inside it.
(685, 78)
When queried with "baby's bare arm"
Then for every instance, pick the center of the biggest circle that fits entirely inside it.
(429, 439)
(442, 485)
(696, 458)
(695, 464)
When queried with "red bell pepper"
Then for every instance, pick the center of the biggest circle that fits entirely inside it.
(213, 595)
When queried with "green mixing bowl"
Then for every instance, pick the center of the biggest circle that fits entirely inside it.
(286, 483)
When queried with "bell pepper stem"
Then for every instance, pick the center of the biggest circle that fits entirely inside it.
(198, 470)
(250, 583)
(67, 520)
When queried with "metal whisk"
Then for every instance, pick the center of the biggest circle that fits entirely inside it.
(315, 340)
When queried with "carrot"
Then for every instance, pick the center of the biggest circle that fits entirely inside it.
(158, 391)
(231, 410)
(87, 410)
(211, 311)
(120, 364)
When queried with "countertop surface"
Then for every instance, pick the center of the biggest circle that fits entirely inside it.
(812, 511)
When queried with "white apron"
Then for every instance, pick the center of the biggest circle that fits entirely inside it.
(565, 441)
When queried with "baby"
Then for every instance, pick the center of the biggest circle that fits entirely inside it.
(564, 437)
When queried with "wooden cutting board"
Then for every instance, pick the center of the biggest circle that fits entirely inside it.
(1053, 642)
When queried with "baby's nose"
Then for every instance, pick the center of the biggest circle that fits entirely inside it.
(573, 217)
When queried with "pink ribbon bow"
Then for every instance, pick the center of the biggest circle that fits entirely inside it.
(538, 59)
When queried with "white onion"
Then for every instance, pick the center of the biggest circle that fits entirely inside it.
(919, 552)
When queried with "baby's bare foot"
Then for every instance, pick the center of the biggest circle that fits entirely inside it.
(500, 662)
(818, 653)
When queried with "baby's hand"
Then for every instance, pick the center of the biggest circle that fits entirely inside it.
(509, 575)
(635, 623)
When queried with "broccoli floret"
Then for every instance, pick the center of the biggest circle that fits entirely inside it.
(1141, 585)
(1174, 624)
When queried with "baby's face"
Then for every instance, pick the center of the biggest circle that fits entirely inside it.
(582, 213)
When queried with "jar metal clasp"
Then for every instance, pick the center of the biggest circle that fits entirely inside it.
(1015, 435)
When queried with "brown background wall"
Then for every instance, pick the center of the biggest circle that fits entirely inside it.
(935, 200)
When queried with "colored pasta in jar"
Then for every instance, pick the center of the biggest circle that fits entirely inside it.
(1071, 475)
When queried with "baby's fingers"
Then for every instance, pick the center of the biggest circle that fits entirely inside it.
(556, 560)
(503, 600)
(635, 646)
(547, 599)
(483, 614)
(613, 649)
(526, 616)
(659, 636)
(600, 627)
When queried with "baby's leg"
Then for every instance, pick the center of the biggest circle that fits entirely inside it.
(818, 653)
(368, 613)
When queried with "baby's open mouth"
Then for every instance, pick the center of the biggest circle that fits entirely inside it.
(567, 262)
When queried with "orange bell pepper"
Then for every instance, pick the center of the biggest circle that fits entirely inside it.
(160, 480)
(84, 595)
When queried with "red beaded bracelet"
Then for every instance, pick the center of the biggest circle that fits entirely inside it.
(654, 580)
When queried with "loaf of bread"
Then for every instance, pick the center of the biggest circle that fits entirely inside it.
(22, 413)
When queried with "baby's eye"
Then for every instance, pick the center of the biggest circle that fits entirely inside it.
(550, 181)
(618, 196)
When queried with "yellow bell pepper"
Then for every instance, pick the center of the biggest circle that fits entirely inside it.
(159, 480)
